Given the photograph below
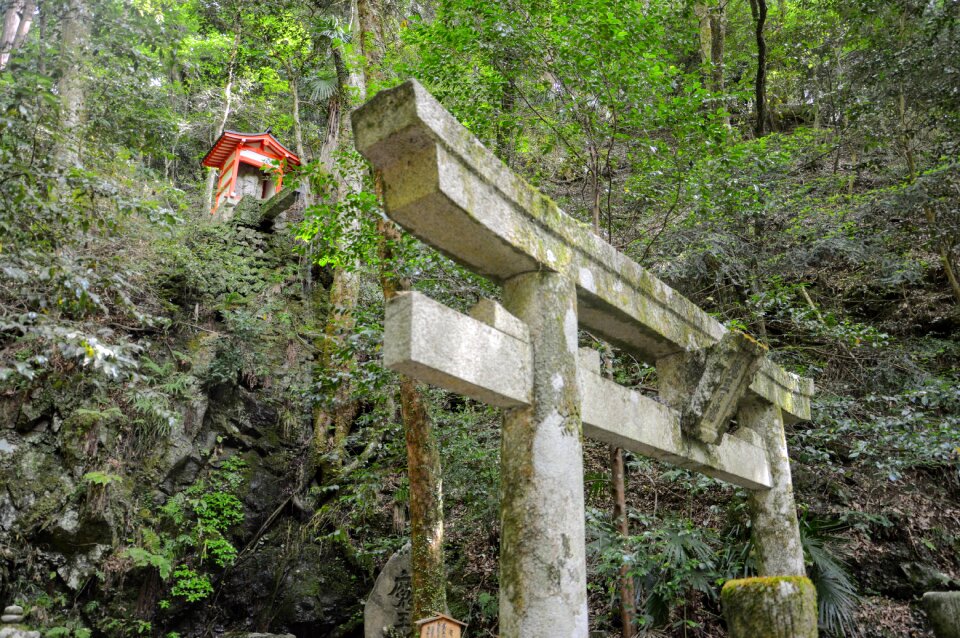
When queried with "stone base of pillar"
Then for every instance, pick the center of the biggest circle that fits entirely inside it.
(943, 610)
(770, 607)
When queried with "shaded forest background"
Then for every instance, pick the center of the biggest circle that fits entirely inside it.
(196, 435)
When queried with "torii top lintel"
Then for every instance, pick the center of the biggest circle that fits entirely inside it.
(450, 191)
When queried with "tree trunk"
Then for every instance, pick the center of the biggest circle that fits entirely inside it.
(26, 21)
(294, 85)
(628, 610)
(711, 20)
(227, 103)
(759, 10)
(76, 30)
(717, 26)
(428, 571)
(702, 12)
(335, 110)
(11, 24)
(16, 26)
(371, 40)
(332, 425)
(428, 577)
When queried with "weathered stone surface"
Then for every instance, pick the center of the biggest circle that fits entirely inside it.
(14, 610)
(471, 357)
(774, 529)
(543, 579)
(11, 618)
(391, 601)
(730, 364)
(943, 610)
(447, 189)
(493, 314)
(924, 577)
(257, 213)
(773, 512)
(770, 607)
(433, 343)
(625, 418)
(80, 568)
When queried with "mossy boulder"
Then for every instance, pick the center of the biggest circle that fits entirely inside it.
(771, 606)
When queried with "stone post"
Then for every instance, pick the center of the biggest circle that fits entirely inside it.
(543, 587)
(773, 512)
(782, 602)
(943, 609)
(770, 607)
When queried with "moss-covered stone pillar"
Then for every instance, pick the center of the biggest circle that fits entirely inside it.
(773, 512)
(770, 607)
(543, 586)
(943, 609)
(782, 602)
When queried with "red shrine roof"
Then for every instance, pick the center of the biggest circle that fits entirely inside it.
(268, 145)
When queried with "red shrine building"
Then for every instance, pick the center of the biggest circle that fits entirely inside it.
(240, 158)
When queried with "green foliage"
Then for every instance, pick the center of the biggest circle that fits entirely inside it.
(341, 231)
(69, 630)
(837, 598)
(194, 533)
(144, 558)
(829, 239)
(101, 478)
(670, 560)
(890, 433)
(190, 585)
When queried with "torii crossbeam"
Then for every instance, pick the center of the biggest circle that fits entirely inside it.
(446, 188)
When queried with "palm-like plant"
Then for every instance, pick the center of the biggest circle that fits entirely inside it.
(837, 598)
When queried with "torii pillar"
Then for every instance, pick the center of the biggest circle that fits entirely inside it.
(543, 580)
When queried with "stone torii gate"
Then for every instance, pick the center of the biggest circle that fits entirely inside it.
(446, 188)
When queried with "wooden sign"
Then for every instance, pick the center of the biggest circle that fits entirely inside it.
(440, 626)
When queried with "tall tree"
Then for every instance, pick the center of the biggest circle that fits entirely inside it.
(759, 10)
(76, 32)
(712, 23)
(16, 26)
(332, 422)
(227, 103)
(424, 469)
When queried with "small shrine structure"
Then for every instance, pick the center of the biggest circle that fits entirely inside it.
(240, 158)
